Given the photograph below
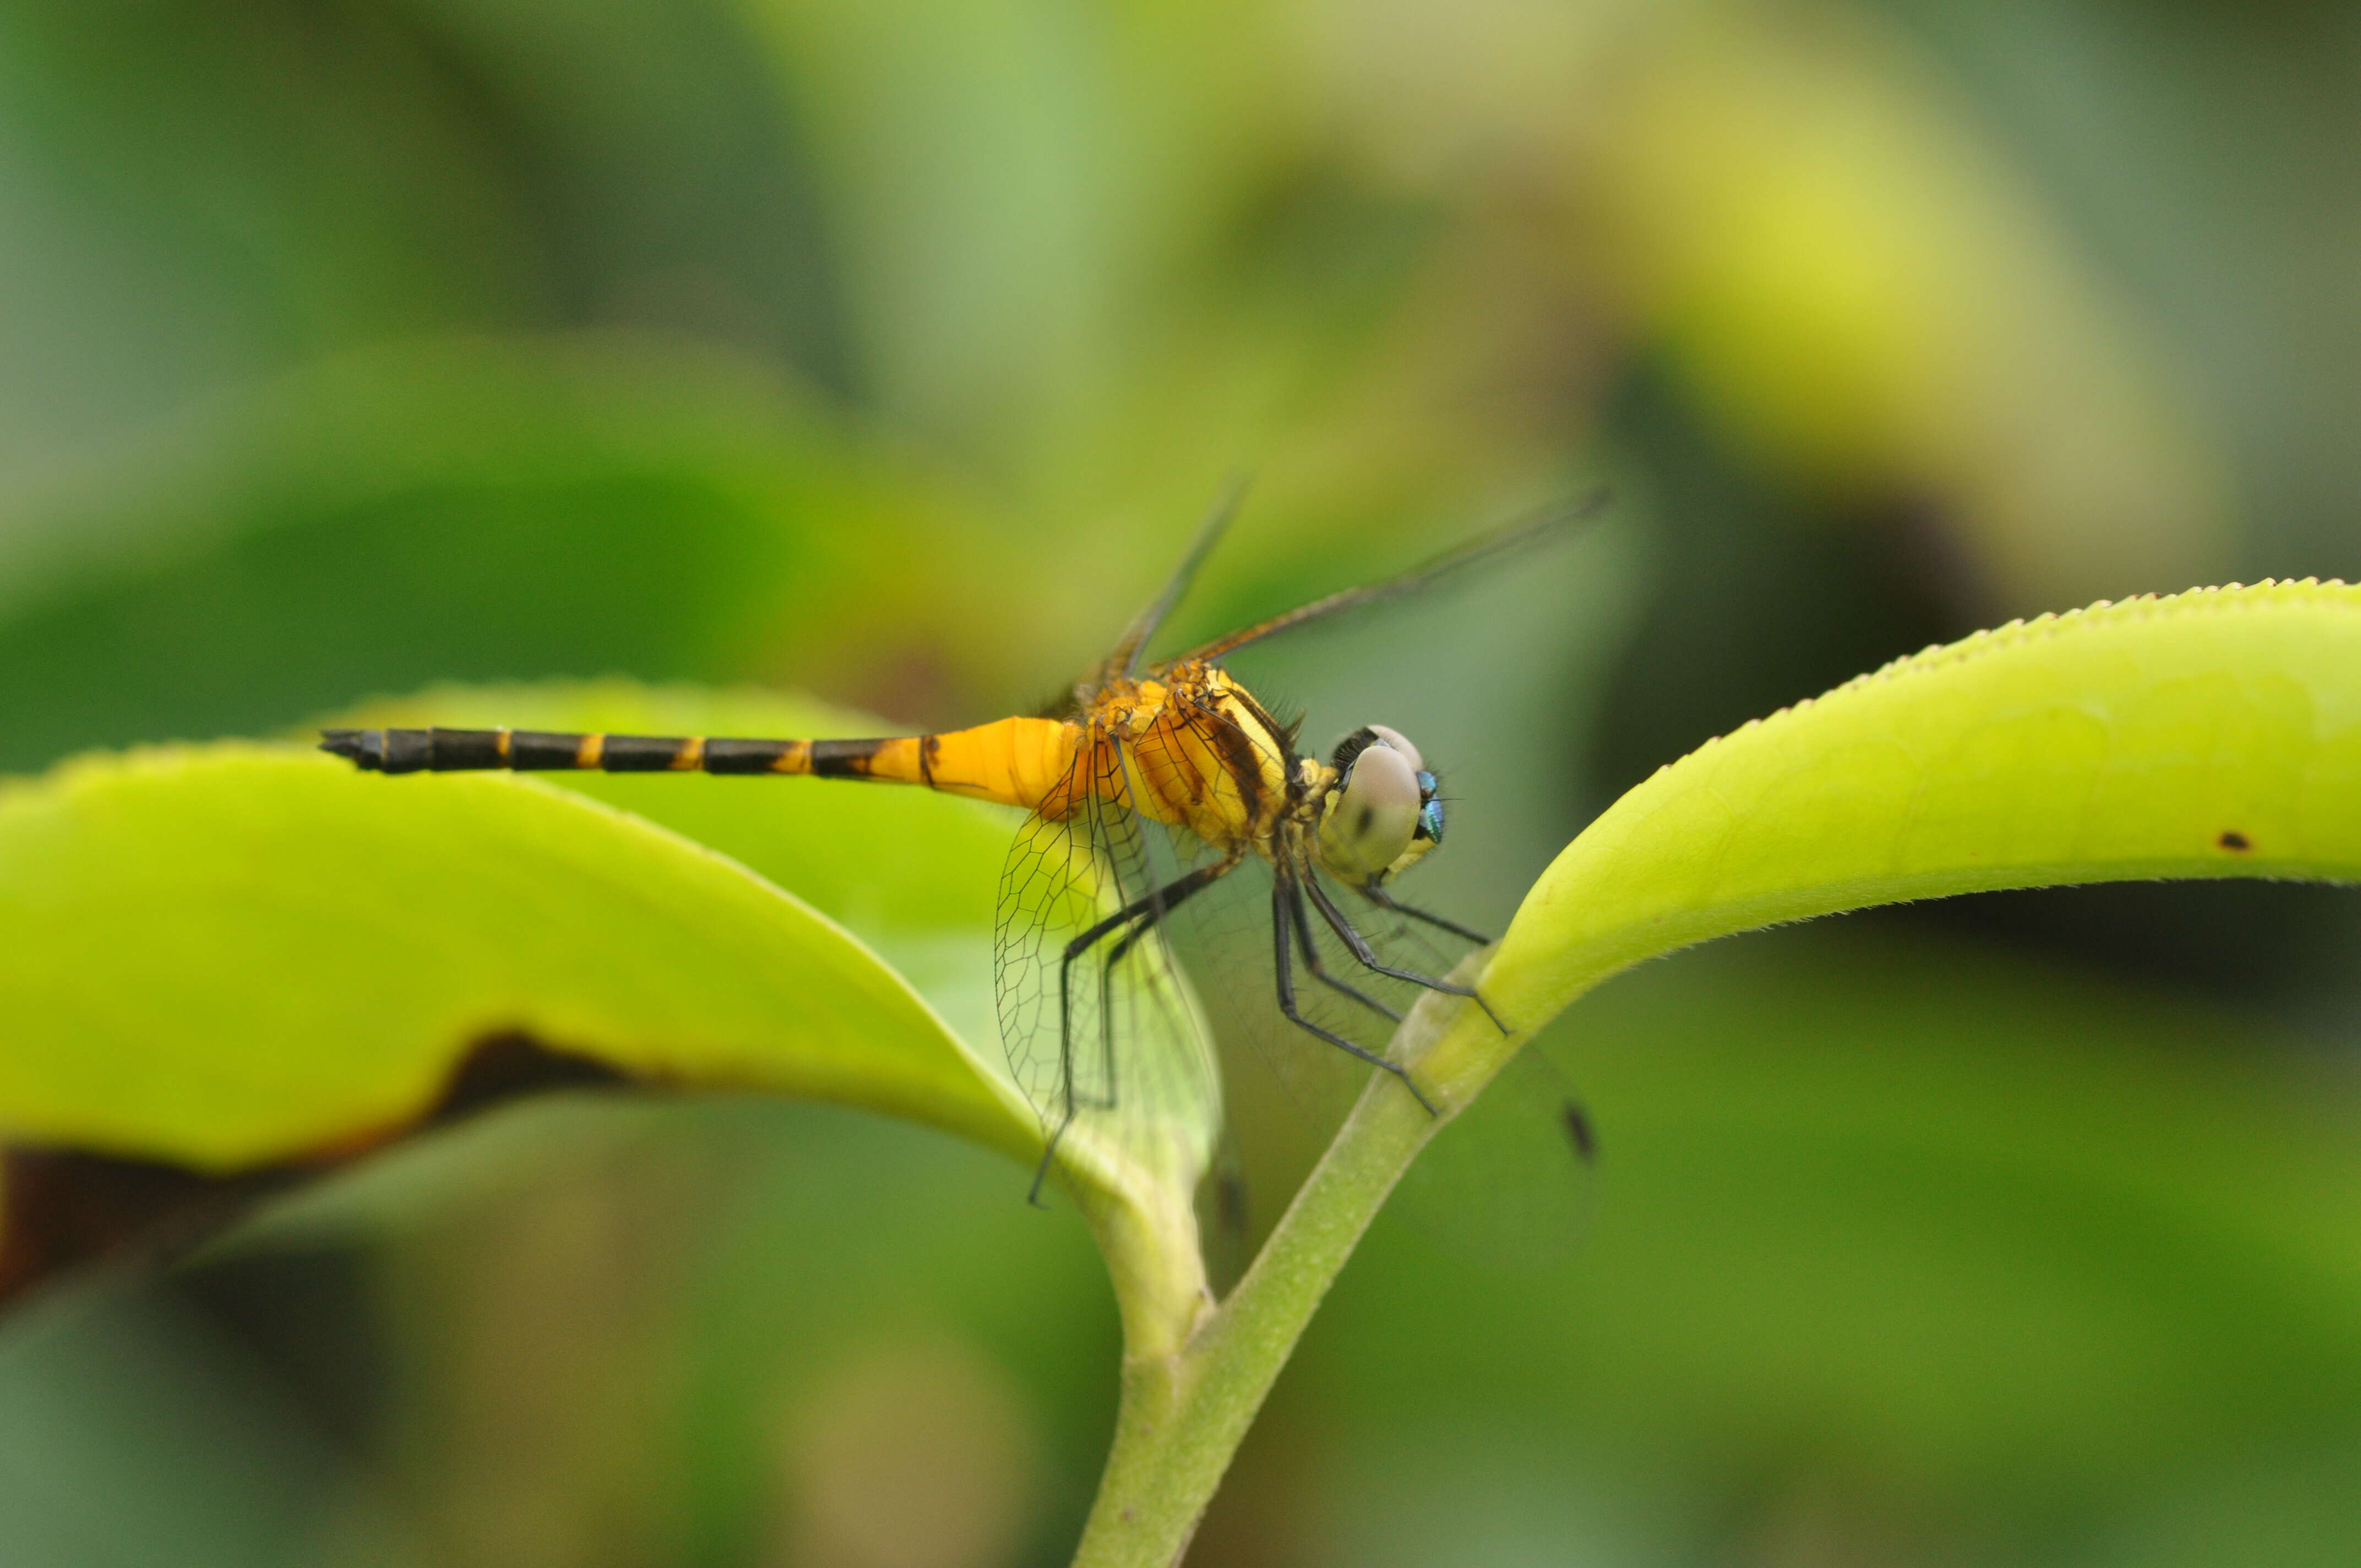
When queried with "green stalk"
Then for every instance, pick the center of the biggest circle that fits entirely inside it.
(1184, 1414)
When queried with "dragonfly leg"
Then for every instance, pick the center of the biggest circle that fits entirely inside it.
(1359, 946)
(1164, 900)
(1302, 920)
(1049, 1155)
(1282, 960)
(1386, 900)
(1140, 916)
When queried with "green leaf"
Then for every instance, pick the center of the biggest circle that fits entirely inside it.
(239, 955)
(248, 957)
(917, 875)
(2213, 733)
(912, 875)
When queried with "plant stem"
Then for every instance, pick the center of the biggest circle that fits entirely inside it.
(1184, 1414)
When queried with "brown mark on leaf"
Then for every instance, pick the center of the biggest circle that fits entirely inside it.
(2234, 841)
(64, 1208)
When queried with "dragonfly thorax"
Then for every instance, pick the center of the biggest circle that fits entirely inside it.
(1377, 810)
(1187, 747)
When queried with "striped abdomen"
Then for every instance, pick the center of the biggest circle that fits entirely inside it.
(1015, 761)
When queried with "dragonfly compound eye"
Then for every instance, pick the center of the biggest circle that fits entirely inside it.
(1400, 742)
(1372, 814)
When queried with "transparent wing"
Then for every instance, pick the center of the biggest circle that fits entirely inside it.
(1103, 1034)
(1508, 1187)
(1511, 1186)
(1287, 1090)
(1483, 548)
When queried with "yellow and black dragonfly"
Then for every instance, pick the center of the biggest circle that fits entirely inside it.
(1150, 784)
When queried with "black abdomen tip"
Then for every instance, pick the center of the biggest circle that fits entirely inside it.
(365, 749)
(414, 750)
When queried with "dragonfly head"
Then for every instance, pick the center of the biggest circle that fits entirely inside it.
(1379, 815)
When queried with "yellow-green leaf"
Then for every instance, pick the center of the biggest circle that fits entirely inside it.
(2213, 733)
(236, 959)
(234, 954)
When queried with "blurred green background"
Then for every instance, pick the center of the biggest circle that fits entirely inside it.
(891, 351)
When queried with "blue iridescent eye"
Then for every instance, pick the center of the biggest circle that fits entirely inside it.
(1430, 810)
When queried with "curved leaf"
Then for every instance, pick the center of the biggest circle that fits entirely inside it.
(913, 874)
(2213, 733)
(248, 960)
(232, 955)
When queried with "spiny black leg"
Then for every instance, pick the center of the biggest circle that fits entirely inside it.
(1283, 955)
(1127, 914)
(1065, 1081)
(1140, 915)
(1048, 1154)
(1147, 915)
(1152, 905)
(1302, 922)
(1105, 1099)
(1065, 1093)
(1066, 1047)
(1142, 925)
(1360, 949)
(1170, 897)
(1159, 904)
(1385, 900)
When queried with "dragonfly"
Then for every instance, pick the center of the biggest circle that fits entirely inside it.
(1147, 785)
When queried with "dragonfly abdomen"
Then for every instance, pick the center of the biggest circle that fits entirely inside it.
(1016, 761)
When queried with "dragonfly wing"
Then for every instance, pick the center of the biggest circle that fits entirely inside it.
(1132, 649)
(1508, 1186)
(1483, 548)
(1511, 1186)
(1103, 1034)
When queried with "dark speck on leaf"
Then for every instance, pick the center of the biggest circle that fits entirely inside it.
(2236, 840)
